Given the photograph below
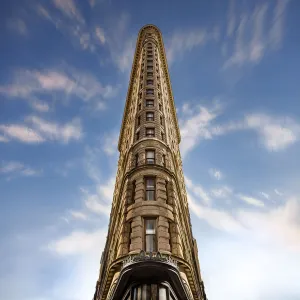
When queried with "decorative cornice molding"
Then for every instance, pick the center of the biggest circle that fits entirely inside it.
(139, 44)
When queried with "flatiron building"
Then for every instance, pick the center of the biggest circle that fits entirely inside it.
(150, 252)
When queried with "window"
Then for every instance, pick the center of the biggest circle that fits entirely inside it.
(149, 68)
(139, 121)
(137, 135)
(161, 120)
(150, 56)
(167, 190)
(150, 188)
(150, 132)
(162, 136)
(149, 81)
(150, 156)
(150, 92)
(140, 106)
(149, 103)
(149, 116)
(136, 160)
(150, 74)
(150, 237)
(133, 192)
(160, 107)
(164, 160)
(170, 237)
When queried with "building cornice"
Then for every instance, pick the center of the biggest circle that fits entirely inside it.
(163, 57)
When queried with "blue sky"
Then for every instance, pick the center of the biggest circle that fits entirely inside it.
(64, 73)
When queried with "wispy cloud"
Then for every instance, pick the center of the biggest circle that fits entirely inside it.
(18, 26)
(185, 40)
(276, 133)
(255, 33)
(78, 215)
(69, 8)
(215, 173)
(31, 84)
(251, 201)
(15, 168)
(110, 143)
(223, 192)
(37, 130)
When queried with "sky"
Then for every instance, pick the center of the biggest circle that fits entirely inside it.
(64, 74)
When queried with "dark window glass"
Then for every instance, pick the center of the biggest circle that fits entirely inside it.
(137, 136)
(139, 121)
(149, 68)
(150, 236)
(150, 188)
(133, 192)
(164, 160)
(136, 160)
(150, 132)
(161, 120)
(140, 106)
(160, 107)
(149, 116)
(150, 74)
(162, 136)
(149, 81)
(150, 92)
(149, 62)
(149, 103)
(150, 156)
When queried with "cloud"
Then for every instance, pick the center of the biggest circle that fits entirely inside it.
(40, 106)
(99, 202)
(199, 123)
(198, 191)
(214, 173)
(184, 41)
(38, 130)
(221, 192)
(267, 196)
(275, 133)
(18, 26)
(68, 7)
(100, 34)
(255, 34)
(197, 127)
(15, 168)
(278, 193)
(78, 215)
(31, 84)
(110, 143)
(251, 201)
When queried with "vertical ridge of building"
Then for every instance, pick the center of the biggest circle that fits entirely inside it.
(150, 252)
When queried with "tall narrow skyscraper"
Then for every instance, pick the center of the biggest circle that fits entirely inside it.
(150, 251)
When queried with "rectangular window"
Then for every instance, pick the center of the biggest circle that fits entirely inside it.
(150, 92)
(136, 160)
(139, 121)
(150, 74)
(150, 235)
(149, 116)
(164, 160)
(150, 156)
(149, 62)
(149, 103)
(160, 107)
(137, 135)
(162, 136)
(149, 82)
(140, 106)
(150, 188)
(149, 68)
(161, 120)
(150, 56)
(133, 192)
(150, 132)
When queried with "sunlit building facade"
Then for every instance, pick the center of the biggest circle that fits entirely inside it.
(150, 252)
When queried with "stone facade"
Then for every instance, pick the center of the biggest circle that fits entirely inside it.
(149, 149)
